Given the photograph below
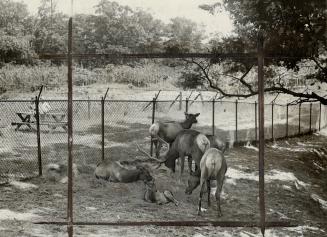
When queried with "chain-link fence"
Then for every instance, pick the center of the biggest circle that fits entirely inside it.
(127, 123)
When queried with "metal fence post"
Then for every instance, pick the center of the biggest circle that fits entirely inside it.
(186, 105)
(299, 118)
(102, 126)
(236, 125)
(256, 121)
(261, 84)
(38, 135)
(287, 120)
(310, 117)
(272, 121)
(153, 116)
(213, 117)
(88, 108)
(319, 116)
(70, 219)
(180, 100)
(102, 120)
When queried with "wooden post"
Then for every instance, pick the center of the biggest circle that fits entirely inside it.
(261, 134)
(213, 117)
(38, 133)
(70, 130)
(180, 100)
(287, 120)
(153, 115)
(236, 125)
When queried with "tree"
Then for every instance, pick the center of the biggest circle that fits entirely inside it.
(296, 29)
(184, 35)
(50, 29)
(15, 36)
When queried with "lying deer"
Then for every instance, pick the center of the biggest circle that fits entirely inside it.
(152, 194)
(168, 131)
(212, 166)
(116, 172)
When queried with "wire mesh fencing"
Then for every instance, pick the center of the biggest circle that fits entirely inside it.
(127, 123)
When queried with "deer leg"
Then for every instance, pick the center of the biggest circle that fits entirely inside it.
(220, 180)
(182, 159)
(208, 189)
(201, 194)
(189, 159)
(159, 149)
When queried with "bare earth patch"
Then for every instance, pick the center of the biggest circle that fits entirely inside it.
(295, 191)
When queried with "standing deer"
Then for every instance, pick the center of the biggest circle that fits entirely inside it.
(168, 131)
(215, 142)
(189, 143)
(212, 166)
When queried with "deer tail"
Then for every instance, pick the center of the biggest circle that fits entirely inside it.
(154, 129)
(202, 142)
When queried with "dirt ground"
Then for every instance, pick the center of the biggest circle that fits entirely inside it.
(296, 187)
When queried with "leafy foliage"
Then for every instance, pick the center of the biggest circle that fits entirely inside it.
(295, 29)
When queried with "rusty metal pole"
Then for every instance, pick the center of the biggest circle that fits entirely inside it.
(287, 120)
(213, 117)
(256, 121)
(152, 121)
(38, 134)
(70, 129)
(236, 125)
(261, 134)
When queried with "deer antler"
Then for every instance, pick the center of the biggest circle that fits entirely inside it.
(163, 141)
(144, 152)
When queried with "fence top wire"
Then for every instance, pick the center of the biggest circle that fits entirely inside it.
(148, 101)
(64, 56)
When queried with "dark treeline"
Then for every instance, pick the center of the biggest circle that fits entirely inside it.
(295, 29)
(113, 28)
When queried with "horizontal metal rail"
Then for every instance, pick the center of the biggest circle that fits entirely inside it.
(177, 223)
(63, 56)
(147, 55)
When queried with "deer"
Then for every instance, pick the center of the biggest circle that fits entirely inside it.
(152, 194)
(168, 131)
(212, 166)
(189, 143)
(114, 171)
(215, 142)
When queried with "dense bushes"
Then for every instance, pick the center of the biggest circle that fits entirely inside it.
(29, 78)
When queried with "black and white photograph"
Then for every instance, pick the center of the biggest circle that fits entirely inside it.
(175, 118)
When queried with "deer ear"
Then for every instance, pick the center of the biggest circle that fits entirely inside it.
(196, 115)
